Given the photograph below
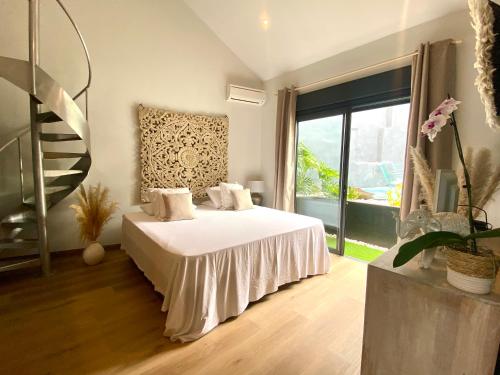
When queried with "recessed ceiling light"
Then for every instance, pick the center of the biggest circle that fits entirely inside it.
(264, 21)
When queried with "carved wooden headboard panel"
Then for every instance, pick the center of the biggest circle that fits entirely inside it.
(182, 149)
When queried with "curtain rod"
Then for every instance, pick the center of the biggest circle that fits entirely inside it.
(369, 67)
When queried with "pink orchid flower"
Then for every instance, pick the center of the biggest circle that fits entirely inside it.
(439, 118)
(446, 108)
(433, 126)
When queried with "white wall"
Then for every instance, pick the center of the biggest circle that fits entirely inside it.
(471, 117)
(153, 52)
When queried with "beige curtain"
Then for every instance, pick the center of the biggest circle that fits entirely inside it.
(284, 186)
(433, 78)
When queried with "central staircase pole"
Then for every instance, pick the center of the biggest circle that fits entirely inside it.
(36, 145)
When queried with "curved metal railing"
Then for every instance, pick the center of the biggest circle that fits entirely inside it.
(15, 138)
(84, 45)
(53, 184)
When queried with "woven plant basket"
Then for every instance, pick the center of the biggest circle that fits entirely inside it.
(474, 273)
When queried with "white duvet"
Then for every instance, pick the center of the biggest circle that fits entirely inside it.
(210, 268)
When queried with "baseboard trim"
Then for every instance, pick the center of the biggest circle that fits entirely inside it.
(80, 249)
(19, 253)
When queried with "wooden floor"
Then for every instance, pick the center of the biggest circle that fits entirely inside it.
(106, 319)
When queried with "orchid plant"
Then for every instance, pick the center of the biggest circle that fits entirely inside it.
(437, 120)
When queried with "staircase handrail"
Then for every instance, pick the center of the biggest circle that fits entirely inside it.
(17, 138)
(59, 106)
(17, 135)
(84, 45)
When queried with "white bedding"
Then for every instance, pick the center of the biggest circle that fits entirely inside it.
(210, 268)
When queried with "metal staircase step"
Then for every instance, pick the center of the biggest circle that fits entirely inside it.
(9, 224)
(49, 190)
(59, 137)
(15, 232)
(19, 219)
(56, 189)
(15, 264)
(57, 183)
(48, 91)
(60, 172)
(64, 155)
(17, 243)
(48, 117)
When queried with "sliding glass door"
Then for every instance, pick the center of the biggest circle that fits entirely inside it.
(377, 143)
(350, 157)
(349, 174)
(318, 178)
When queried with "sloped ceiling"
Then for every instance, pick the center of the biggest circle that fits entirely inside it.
(276, 36)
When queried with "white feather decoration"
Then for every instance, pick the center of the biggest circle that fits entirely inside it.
(482, 22)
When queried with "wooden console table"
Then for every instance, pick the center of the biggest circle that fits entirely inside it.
(416, 323)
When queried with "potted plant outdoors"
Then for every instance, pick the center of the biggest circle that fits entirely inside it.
(469, 267)
(328, 184)
(93, 211)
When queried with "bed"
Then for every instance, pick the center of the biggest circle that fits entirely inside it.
(210, 268)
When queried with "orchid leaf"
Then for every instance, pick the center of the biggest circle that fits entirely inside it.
(410, 249)
(485, 234)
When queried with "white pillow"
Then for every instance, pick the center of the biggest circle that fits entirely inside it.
(215, 196)
(242, 199)
(147, 208)
(151, 195)
(178, 207)
(226, 196)
(208, 204)
(154, 195)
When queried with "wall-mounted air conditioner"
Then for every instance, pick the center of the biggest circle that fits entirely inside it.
(245, 95)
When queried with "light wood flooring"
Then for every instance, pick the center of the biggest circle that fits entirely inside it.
(106, 319)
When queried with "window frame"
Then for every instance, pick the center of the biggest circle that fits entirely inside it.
(377, 91)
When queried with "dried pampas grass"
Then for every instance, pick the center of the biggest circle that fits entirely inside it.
(424, 175)
(93, 211)
(484, 178)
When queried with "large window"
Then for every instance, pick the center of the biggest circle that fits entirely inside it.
(377, 153)
(350, 159)
(317, 186)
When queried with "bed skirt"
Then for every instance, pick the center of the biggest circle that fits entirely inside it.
(204, 290)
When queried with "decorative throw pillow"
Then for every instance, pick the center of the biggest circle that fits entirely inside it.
(155, 197)
(147, 208)
(208, 204)
(215, 196)
(152, 191)
(226, 196)
(178, 206)
(242, 199)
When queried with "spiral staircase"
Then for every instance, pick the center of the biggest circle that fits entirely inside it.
(24, 241)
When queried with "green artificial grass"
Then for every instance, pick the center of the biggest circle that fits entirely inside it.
(356, 250)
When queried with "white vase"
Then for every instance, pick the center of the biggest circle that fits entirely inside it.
(93, 253)
(426, 257)
(468, 283)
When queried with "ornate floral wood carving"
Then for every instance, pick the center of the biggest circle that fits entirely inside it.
(182, 150)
